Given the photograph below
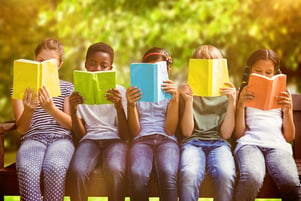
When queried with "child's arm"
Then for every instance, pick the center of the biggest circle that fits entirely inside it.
(172, 112)
(133, 94)
(78, 125)
(114, 96)
(285, 100)
(23, 110)
(229, 120)
(240, 124)
(187, 122)
(62, 117)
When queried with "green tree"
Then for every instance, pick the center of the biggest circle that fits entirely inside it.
(131, 27)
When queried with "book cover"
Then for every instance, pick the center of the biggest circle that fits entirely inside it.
(93, 85)
(265, 90)
(207, 76)
(149, 77)
(34, 74)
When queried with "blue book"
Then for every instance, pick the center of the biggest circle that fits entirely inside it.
(149, 77)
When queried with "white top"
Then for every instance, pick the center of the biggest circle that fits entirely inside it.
(101, 120)
(264, 130)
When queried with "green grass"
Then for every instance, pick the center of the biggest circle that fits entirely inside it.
(17, 198)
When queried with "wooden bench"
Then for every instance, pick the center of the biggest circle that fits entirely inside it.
(97, 186)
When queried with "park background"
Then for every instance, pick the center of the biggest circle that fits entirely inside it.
(131, 27)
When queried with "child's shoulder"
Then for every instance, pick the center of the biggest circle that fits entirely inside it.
(66, 87)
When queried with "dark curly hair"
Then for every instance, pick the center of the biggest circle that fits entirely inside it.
(100, 47)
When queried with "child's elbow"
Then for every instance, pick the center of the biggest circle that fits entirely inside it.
(170, 131)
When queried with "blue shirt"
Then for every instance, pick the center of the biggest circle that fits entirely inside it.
(152, 118)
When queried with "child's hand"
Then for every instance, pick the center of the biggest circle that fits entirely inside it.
(74, 99)
(170, 87)
(285, 100)
(45, 99)
(30, 100)
(229, 91)
(115, 97)
(133, 94)
(186, 92)
(245, 96)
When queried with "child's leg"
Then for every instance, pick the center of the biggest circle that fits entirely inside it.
(114, 166)
(82, 166)
(221, 168)
(140, 163)
(56, 164)
(251, 164)
(192, 170)
(29, 164)
(281, 166)
(166, 161)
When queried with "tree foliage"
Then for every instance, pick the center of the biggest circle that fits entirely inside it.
(131, 27)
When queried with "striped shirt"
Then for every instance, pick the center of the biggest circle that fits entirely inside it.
(42, 123)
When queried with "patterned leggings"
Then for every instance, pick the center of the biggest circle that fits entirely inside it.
(45, 157)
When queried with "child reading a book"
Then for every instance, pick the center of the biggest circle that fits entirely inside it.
(46, 142)
(264, 136)
(103, 131)
(206, 123)
(154, 145)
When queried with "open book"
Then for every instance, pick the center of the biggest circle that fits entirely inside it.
(93, 85)
(149, 77)
(207, 76)
(265, 90)
(34, 74)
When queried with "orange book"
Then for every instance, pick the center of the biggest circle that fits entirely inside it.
(266, 90)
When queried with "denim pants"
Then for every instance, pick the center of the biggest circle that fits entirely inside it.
(215, 158)
(253, 162)
(112, 155)
(156, 152)
(48, 155)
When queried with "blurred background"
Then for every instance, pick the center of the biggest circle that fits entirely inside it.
(131, 27)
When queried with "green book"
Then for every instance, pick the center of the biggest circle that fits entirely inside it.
(93, 85)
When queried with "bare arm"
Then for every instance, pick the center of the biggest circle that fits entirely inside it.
(285, 100)
(23, 110)
(62, 117)
(187, 122)
(240, 123)
(172, 113)
(114, 96)
(229, 121)
(133, 94)
(78, 126)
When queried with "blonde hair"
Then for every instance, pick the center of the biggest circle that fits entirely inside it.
(51, 44)
(207, 52)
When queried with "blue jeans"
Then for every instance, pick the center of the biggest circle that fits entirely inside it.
(253, 162)
(112, 155)
(215, 158)
(48, 155)
(156, 152)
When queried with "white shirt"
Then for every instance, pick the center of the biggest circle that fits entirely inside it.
(264, 130)
(101, 120)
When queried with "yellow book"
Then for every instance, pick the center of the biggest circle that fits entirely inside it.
(34, 74)
(207, 76)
